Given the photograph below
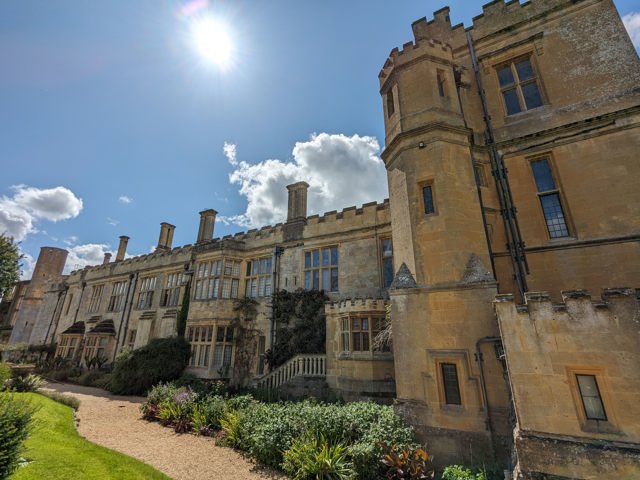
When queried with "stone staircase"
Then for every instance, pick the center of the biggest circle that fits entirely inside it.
(307, 365)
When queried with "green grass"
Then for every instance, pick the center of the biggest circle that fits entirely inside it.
(56, 451)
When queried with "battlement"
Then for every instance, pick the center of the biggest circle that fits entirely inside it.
(617, 308)
(496, 17)
(432, 47)
(356, 305)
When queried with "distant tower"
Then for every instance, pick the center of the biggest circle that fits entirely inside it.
(48, 269)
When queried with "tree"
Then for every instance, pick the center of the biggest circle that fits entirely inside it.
(10, 257)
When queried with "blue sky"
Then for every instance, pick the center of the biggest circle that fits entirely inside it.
(111, 122)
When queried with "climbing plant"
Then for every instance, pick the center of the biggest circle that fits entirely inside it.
(246, 339)
(300, 325)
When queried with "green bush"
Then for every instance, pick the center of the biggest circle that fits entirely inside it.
(27, 383)
(231, 428)
(176, 411)
(207, 414)
(161, 360)
(317, 459)
(5, 374)
(458, 472)
(92, 378)
(15, 423)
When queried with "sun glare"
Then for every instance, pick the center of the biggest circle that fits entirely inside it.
(211, 40)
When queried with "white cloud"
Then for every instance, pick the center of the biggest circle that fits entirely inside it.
(124, 199)
(27, 266)
(632, 23)
(112, 221)
(341, 171)
(230, 152)
(71, 240)
(19, 212)
(88, 254)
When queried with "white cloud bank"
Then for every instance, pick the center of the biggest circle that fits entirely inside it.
(632, 23)
(20, 212)
(341, 171)
(88, 254)
(124, 199)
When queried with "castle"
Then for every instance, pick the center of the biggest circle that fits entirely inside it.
(508, 252)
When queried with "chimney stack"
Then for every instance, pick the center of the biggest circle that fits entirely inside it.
(207, 220)
(107, 258)
(122, 248)
(297, 208)
(166, 237)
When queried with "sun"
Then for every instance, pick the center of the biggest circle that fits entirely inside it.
(212, 41)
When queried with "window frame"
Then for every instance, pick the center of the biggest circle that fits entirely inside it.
(256, 278)
(146, 291)
(170, 295)
(385, 282)
(375, 324)
(308, 271)
(200, 338)
(224, 283)
(556, 191)
(422, 186)
(117, 297)
(95, 299)
(517, 83)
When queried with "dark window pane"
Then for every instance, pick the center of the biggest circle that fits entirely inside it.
(427, 195)
(542, 175)
(325, 280)
(387, 272)
(334, 279)
(554, 216)
(325, 257)
(591, 399)
(220, 334)
(525, 72)
(390, 104)
(531, 95)
(229, 337)
(451, 387)
(307, 260)
(316, 280)
(505, 76)
(316, 258)
(334, 256)
(511, 101)
(307, 280)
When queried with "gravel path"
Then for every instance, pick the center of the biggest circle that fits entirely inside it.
(115, 422)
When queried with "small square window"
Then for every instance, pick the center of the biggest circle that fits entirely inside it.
(519, 86)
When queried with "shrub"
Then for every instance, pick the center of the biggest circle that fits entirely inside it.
(231, 428)
(407, 463)
(15, 422)
(207, 414)
(27, 383)
(63, 374)
(61, 398)
(5, 374)
(176, 410)
(315, 458)
(458, 472)
(92, 378)
(161, 360)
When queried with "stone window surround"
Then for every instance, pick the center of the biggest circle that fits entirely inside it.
(258, 277)
(223, 283)
(587, 425)
(371, 353)
(559, 190)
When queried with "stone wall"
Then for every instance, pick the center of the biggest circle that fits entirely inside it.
(546, 345)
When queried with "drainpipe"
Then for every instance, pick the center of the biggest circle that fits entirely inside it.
(457, 77)
(133, 279)
(485, 400)
(56, 313)
(277, 253)
(515, 243)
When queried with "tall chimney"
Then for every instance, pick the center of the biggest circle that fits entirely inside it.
(166, 237)
(297, 208)
(122, 248)
(107, 258)
(207, 220)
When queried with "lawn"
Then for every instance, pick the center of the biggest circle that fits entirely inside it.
(56, 451)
